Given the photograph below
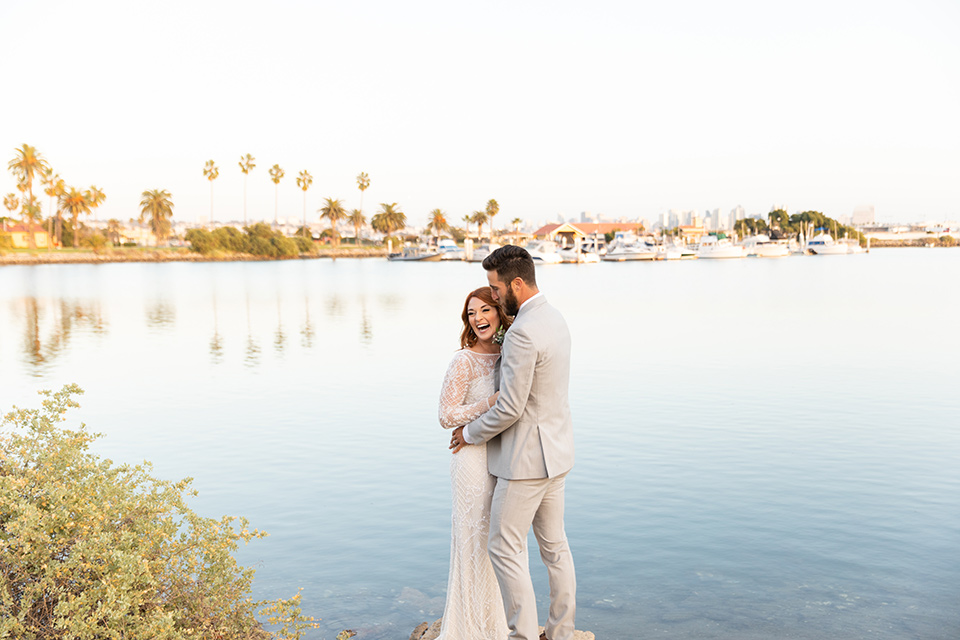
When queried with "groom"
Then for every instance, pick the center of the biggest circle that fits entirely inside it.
(529, 438)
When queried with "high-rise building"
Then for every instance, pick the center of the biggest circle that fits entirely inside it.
(864, 214)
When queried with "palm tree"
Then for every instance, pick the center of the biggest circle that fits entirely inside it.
(357, 219)
(363, 181)
(75, 202)
(334, 212)
(96, 197)
(156, 207)
(493, 208)
(54, 187)
(467, 219)
(11, 202)
(516, 222)
(211, 173)
(480, 218)
(113, 230)
(276, 173)
(390, 219)
(304, 180)
(438, 222)
(26, 165)
(246, 165)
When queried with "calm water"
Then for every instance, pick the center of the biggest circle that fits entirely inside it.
(766, 449)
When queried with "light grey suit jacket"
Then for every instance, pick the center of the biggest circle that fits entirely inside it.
(529, 433)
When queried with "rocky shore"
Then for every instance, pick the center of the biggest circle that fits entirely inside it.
(167, 255)
(426, 631)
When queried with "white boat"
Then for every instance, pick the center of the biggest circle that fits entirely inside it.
(482, 251)
(449, 250)
(415, 254)
(578, 255)
(762, 246)
(670, 252)
(712, 248)
(544, 251)
(823, 244)
(582, 252)
(853, 246)
(627, 247)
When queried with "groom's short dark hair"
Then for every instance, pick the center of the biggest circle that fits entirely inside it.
(511, 262)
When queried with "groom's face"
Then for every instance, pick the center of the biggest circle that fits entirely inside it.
(503, 293)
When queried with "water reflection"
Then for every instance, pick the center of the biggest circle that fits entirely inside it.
(161, 315)
(216, 342)
(307, 332)
(279, 338)
(46, 325)
(366, 329)
(252, 356)
(47, 332)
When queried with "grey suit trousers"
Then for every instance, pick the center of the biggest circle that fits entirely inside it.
(518, 504)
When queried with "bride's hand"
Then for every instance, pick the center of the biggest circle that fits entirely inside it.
(492, 400)
(456, 440)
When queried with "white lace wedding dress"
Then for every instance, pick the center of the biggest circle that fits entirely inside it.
(474, 607)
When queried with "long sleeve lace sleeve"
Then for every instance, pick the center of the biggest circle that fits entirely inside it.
(454, 411)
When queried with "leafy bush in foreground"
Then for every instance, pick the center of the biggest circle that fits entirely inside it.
(91, 550)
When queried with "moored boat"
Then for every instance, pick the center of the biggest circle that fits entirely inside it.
(449, 250)
(415, 254)
(712, 248)
(627, 247)
(762, 246)
(823, 244)
(544, 251)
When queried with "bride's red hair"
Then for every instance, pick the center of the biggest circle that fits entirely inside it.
(467, 337)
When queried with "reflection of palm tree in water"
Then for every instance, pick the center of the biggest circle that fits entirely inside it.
(306, 333)
(216, 342)
(161, 314)
(252, 357)
(40, 351)
(366, 329)
(279, 339)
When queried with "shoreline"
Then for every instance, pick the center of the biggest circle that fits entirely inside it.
(41, 256)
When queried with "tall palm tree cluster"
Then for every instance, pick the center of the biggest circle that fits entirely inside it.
(333, 209)
(28, 166)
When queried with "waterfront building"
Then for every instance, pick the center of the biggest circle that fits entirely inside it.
(20, 235)
(564, 234)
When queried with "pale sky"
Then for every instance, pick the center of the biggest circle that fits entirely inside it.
(553, 108)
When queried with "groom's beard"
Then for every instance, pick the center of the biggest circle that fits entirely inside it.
(510, 303)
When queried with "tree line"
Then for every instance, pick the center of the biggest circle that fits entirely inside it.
(29, 167)
(780, 224)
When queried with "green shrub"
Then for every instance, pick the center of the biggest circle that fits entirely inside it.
(96, 241)
(6, 241)
(304, 245)
(231, 239)
(285, 247)
(89, 550)
(202, 241)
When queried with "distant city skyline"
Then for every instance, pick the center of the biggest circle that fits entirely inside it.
(629, 110)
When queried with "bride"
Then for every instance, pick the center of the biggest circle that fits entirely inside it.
(474, 607)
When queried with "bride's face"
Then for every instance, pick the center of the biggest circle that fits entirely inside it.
(483, 319)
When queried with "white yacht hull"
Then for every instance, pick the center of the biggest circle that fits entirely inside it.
(772, 251)
(717, 253)
(629, 256)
